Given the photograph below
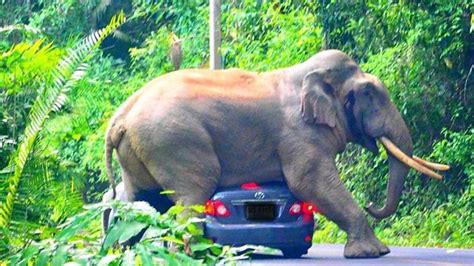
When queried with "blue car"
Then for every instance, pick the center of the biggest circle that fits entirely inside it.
(266, 214)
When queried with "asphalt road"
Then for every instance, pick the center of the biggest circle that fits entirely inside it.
(325, 254)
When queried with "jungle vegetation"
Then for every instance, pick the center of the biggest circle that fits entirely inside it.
(65, 66)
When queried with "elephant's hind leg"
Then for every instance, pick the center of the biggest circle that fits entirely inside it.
(135, 175)
(182, 159)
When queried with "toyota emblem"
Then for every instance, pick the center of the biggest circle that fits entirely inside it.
(259, 195)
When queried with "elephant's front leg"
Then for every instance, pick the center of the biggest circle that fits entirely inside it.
(319, 183)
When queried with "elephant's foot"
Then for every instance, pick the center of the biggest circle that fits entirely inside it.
(370, 248)
(384, 250)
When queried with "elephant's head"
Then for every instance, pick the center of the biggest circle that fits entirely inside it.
(359, 102)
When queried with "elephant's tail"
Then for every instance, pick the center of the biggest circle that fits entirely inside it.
(112, 139)
(114, 135)
(109, 150)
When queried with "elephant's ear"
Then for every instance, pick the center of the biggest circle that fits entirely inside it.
(317, 100)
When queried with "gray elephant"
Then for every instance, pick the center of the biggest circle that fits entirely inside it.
(194, 130)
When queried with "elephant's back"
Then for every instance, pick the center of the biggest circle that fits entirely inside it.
(206, 95)
(229, 84)
(209, 96)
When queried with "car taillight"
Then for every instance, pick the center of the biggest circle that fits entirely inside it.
(295, 209)
(303, 208)
(309, 208)
(216, 208)
(249, 186)
(209, 208)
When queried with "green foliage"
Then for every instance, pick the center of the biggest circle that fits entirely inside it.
(169, 238)
(25, 68)
(456, 148)
(267, 35)
(49, 99)
(153, 56)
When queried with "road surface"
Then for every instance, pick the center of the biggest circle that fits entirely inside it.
(325, 254)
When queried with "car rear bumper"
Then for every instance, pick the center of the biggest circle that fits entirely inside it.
(276, 235)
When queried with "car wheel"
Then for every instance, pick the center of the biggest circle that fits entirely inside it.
(294, 253)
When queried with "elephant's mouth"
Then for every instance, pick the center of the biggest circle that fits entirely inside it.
(425, 167)
(371, 144)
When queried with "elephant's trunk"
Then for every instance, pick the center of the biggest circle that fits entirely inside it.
(397, 133)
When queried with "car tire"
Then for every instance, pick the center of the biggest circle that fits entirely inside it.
(294, 253)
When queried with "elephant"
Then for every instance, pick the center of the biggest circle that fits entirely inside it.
(194, 130)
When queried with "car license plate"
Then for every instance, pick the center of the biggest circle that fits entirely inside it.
(260, 211)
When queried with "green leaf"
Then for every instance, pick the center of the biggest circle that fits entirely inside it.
(76, 224)
(131, 230)
(216, 250)
(145, 256)
(29, 252)
(194, 229)
(200, 247)
(60, 256)
(186, 260)
(114, 234)
(154, 232)
(43, 258)
(176, 209)
(170, 260)
(121, 232)
(167, 192)
(197, 208)
(172, 239)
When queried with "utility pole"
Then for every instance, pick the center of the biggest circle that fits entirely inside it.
(215, 33)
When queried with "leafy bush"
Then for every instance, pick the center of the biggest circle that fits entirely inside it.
(25, 69)
(267, 35)
(167, 239)
(49, 99)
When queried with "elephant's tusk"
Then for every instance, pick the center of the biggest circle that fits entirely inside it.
(434, 166)
(393, 149)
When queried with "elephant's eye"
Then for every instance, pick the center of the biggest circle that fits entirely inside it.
(368, 89)
(369, 96)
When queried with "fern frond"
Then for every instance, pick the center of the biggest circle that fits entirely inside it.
(69, 71)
